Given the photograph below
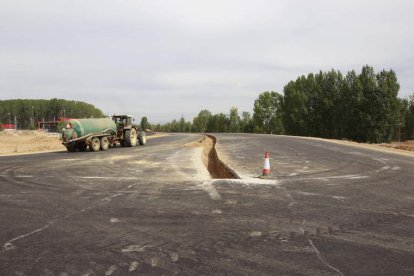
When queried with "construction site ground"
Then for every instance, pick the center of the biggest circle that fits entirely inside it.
(187, 204)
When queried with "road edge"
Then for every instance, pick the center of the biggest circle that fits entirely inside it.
(374, 147)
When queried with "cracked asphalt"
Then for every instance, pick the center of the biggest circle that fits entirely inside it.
(327, 209)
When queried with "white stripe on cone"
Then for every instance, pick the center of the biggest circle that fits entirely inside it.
(266, 165)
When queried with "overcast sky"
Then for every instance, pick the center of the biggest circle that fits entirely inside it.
(166, 59)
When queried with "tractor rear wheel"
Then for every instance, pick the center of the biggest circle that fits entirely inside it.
(95, 144)
(130, 137)
(104, 143)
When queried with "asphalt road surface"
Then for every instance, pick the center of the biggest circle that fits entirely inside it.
(327, 209)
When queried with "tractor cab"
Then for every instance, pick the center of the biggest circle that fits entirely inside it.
(123, 121)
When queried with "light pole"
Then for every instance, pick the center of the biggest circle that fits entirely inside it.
(9, 120)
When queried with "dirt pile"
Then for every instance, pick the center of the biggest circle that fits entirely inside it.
(407, 145)
(28, 141)
(216, 168)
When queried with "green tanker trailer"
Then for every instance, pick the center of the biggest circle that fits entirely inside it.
(101, 133)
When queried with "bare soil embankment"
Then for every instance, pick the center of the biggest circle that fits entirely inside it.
(28, 141)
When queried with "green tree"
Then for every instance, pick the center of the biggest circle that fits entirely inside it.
(331, 85)
(409, 118)
(388, 119)
(201, 121)
(181, 125)
(234, 120)
(370, 103)
(218, 123)
(246, 122)
(267, 116)
(350, 108)
(380, 104)
(295, 109)
(311, 87)
(401, 121)
(360, 107)
(144, 123)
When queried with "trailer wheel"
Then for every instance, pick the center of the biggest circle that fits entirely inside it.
(142, 138)
(104, 143)
(82, 146)
(95, 144)
(130, 136)
(71, 147)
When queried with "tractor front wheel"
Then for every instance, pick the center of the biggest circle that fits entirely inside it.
(142, 138)
(130, 137)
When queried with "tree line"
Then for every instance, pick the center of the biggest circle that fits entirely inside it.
(205, 121)
(27, 112)
(361, 107)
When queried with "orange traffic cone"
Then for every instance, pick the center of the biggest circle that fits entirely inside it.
(266, 166)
